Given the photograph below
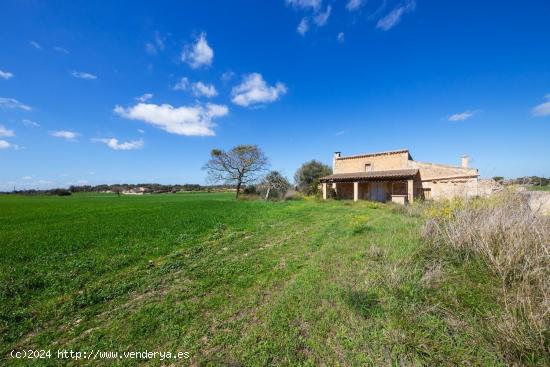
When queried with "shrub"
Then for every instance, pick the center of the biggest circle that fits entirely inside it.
(514, 243)
(293, 195)
(60, 192)
(308, 175)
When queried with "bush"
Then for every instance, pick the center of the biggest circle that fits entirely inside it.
(514, 243)
(293, 195)
(60, 192)
(250, 190)
(308, 175)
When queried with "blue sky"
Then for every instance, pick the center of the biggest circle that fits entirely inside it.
(106, 92)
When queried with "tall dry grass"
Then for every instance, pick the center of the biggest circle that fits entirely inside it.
(514, 242)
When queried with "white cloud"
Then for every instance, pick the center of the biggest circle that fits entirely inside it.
(26, 178)
(83, 75)
(144, 98)
(354, 5)
(185, 120)
(462, 116)
(61, 50)
(30, 123)
(65, 134)
(254, 90)
(340, 37)
(206, 90)
(5, 133)
(13, 103)
(304, 4)
(141, 131)
(542, 109)
(35, 45)
(183, 84)
(303, 27)
(322, 18)
(6, 75)
(393, 17)
(4, 144)
(199, 54)
(113, 143)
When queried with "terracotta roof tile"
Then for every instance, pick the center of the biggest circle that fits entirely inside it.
(372, 175)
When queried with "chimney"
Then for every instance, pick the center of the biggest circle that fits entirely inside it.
(465, 161)
(334, 158)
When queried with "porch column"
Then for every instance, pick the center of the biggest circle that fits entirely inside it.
(410, 190)
(324, 190)
(355, 191)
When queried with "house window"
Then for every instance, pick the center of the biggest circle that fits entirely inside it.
(368, 167)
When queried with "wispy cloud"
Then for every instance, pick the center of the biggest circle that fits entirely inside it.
(156, 45)
(462, 116)
(305, 4)
(542, 109)
(227, 76)
(114, 144)
(30, 123)
(6, 133)
(303, 26)
(5, 144)
(13, 103)
(182, 84)
(144, 97)
(321, 19)
(6, 75)
(354, 5)
(185, 120)
(341, 132)
(198, 54)
(65, 134)
(341, 37)
(83, 75)
(207, 90)
(394, 17)
(61, 50)
(35, 45)
(254, 90)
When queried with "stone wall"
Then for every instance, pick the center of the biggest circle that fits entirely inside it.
(380, 162)
(447, 189)
(488, 187)
(430, 171)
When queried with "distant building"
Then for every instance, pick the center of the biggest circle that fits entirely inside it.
(395, 176)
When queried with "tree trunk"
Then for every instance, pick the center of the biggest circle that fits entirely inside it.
(267, 193)
(238, 189)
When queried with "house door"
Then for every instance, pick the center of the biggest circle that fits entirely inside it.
(377, 191)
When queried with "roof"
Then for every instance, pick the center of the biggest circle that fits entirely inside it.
(372, 175)
(388, 152)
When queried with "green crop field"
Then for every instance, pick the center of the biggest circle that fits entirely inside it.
(232, 283)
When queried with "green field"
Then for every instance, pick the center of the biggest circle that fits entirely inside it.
(233, 283)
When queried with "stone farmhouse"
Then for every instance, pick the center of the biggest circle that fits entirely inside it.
(395, 176)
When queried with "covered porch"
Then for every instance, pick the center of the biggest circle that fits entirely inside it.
(390, 185)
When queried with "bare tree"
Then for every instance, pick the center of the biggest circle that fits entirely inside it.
(276, 182)
(241, 165)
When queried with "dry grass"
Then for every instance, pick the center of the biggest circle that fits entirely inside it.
(514, 242)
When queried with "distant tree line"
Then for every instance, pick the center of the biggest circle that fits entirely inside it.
(149, 188)
(527, 180)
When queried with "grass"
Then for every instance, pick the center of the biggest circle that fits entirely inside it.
(236, 283)
(539, 188)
